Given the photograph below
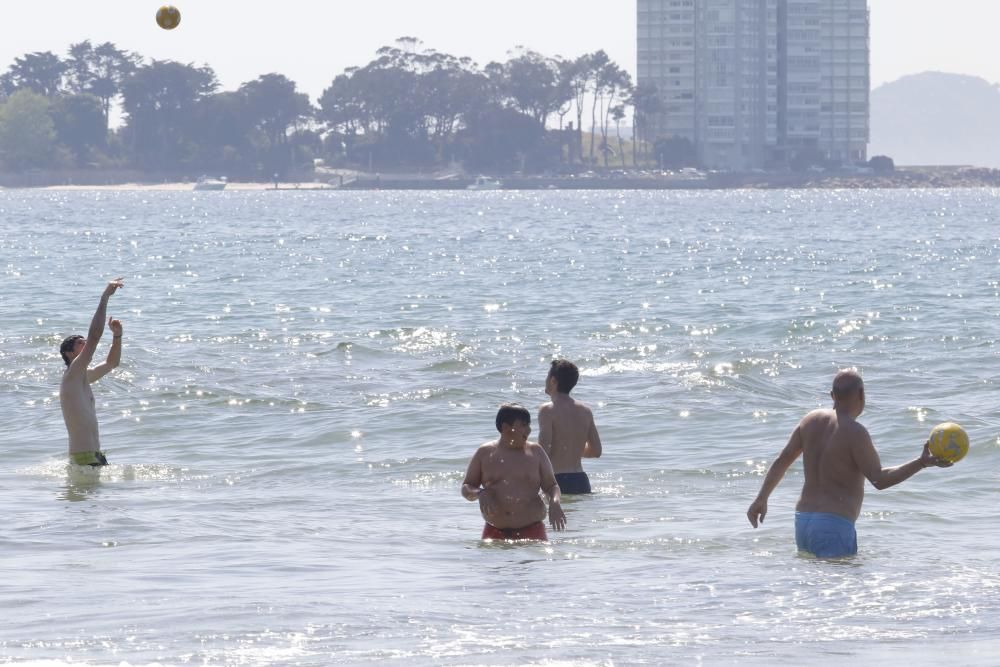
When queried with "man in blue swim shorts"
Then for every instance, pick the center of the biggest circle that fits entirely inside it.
(837, 457)
(566, 429)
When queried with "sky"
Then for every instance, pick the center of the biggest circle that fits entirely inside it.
(311, 41)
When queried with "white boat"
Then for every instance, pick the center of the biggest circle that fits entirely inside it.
(485, 183)
(206, 183)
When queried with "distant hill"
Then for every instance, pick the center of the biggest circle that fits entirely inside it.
(936, 118)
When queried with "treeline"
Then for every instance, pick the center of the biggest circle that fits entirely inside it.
(410, 107)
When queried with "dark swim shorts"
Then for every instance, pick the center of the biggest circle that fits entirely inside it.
(573, 482)
(535, 531)
(92, 459)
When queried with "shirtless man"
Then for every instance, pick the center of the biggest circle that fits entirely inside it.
(566, 429)
(75, 396)
(505, 476)
(838, 455)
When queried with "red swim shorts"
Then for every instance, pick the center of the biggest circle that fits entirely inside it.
(535, 531)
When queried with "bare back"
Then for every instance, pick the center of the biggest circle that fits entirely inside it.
(568, 433)
(833, 480)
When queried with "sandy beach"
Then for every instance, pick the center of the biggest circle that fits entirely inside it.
(180, 187)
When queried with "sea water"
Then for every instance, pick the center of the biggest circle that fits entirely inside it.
(305, 376)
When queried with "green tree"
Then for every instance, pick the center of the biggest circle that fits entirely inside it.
(618, 115)
(614, 84)
(41, 72)
(675, 153)
(646, 102)
(597, 68)
(534, 85)
(273, 106)
(27, 134)
(223, 134)
(502, 140)
(79, 124)
(882, 164)
(160, 102)
(100, 71)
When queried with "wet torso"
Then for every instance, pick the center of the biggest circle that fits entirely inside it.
(512, 477)
(80, 413)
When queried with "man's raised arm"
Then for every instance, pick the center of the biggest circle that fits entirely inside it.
(96, 326)
(114, 354)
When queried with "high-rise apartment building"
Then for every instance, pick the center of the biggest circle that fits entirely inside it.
(755, 82)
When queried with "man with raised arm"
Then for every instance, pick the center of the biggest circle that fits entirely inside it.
(838, 456)
(566, 429)
(75, 396)
(506, 475)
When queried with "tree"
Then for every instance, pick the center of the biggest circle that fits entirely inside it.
(27, 135)
(675, 153)
(160, 101)
(618, 114)
(100, 71)
(646, 102)
(41, 72)
(882, 164)
(597, 68)
(273, 106)
(79, 124)
(614, 83)
(534, 85)
(222, 134)
(501, 140)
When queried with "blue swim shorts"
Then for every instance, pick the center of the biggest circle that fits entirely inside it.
(825, 535)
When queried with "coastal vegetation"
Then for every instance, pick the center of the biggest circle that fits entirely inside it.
(409, 108)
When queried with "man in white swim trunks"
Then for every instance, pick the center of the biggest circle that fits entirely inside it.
(837, 455)
(75, 397)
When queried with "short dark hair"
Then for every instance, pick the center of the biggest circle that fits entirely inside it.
(511, 413)
(566, 374)
(67, 346)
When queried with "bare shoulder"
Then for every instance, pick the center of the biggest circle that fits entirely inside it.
(535, 449)
(545, 408)
(487, 446)
(822, 414)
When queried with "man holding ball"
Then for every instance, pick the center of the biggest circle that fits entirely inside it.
(838, 455)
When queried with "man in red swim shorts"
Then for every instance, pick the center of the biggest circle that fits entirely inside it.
(505, 476)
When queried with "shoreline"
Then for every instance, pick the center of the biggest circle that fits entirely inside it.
(903, 178)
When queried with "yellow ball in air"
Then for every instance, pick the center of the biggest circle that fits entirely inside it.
(949, 441)
(168, 17)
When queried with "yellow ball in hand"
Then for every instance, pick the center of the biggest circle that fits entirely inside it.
(949, 442)
(168, 17)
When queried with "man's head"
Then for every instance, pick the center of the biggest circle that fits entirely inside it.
(70, 348)
(563, 376)
(514, 420)
(848, 390)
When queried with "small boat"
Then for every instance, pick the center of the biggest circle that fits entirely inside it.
(206, 183)
(485, 183)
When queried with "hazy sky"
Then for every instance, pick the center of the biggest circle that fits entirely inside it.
(310, 41)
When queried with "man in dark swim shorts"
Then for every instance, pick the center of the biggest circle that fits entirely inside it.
(567, 430)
